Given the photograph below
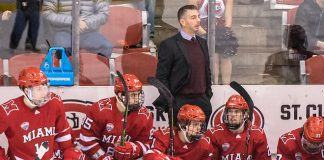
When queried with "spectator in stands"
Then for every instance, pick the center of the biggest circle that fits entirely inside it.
(306, 142)
(27, 11)
(309, 16)
(223, 15)
(5, 15)
(93, 14)
(283, 67)
(183, 65)
(150, 8)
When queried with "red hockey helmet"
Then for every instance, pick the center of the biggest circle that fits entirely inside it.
(314, 129)
(191, 122)
(132, 82)
(191, 113)
(235, 102)
(136, 94)
(35, 81)
(31, 76)
(313, 135)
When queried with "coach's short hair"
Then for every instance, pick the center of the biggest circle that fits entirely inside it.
(183, 9)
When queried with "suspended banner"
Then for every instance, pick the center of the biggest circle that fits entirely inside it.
(279, 109)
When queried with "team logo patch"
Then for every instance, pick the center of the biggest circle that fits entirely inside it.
(257, 120)
(25, 126)
(109, 127)
(298, 156)
(144, 111)
(104, 104)
(225, 146)
(9, 107)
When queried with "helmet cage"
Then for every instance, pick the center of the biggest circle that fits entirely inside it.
(235, 126)
(189, 128)
(311, 148)
(138, 98)
(38, 95)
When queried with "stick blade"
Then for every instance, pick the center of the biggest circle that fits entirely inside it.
(239, 88)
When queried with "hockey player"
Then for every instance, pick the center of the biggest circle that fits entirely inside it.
(189, 140)
(35, 121)
(237, 138)
(102, 129)
(306, 142)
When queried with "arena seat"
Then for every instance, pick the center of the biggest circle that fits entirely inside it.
(140, 64)
(94, 70)
(21, 61)
(126, 28)
(290, 2)
(315, 70)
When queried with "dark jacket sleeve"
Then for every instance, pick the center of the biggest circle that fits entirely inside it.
(165, 62)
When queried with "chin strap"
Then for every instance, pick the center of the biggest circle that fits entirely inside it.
(184, 135)
(29, 103)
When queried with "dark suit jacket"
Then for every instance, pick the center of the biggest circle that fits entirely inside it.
(174, 67)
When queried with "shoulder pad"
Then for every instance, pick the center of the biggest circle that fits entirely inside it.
(287, 137)
(144, 111)
(218, 127)
(255, 128)
(55, 96)
(165, 131)
(9, 106)
(104, 104)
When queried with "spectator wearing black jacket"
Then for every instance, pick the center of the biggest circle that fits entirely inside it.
(310, 17)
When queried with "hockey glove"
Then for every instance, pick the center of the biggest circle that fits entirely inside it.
(126, 152)
(73, 154)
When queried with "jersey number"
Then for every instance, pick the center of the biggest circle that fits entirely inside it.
(110, 151)
(87, 123)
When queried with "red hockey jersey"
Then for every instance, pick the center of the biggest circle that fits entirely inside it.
(232, 146)
(32, 133)
(290, 148)
(200, 150)
(104, 125)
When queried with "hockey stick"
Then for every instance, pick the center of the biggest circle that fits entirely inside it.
(169, 98)
(123, 136)
(238, 88)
